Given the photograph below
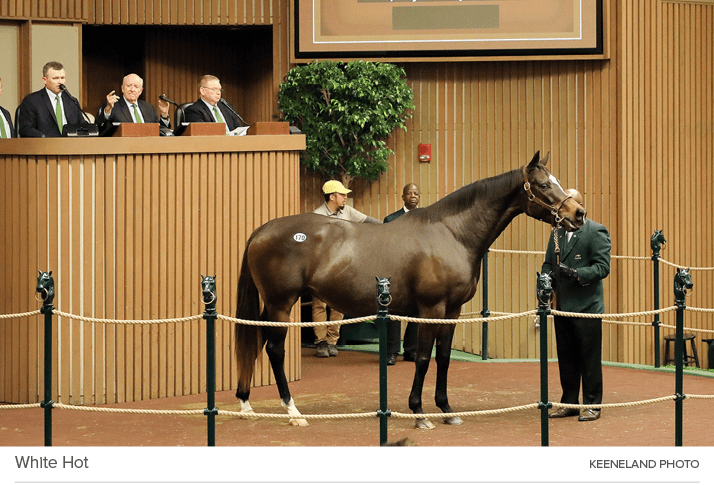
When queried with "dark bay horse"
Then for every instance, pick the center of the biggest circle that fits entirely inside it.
(433, 256)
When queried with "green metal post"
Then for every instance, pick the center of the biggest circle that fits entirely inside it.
(544, 293)
(682, 283)
(209, 299)
(485, 313)
(48, 290)
(383, 300)
(655, 243)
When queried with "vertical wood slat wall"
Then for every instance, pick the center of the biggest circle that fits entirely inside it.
(633, 131)
(127, 238)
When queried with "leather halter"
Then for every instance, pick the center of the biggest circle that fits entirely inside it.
(554, 209)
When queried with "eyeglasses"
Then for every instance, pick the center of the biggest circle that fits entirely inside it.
(134, 86)
(215, 90)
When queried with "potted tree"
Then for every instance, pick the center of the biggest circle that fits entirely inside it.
(346, 111)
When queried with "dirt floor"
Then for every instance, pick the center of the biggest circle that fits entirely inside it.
(349, 384)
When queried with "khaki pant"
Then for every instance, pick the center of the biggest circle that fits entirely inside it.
(325, 333)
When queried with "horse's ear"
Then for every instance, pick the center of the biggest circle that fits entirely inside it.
(535, 160)
(545, 159)
(214, 276)
(202, 277)
(376, 278)
(50, 273)
(39, 272)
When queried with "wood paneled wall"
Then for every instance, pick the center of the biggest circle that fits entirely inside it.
(127, 227)
(633, 133)
(75, 10)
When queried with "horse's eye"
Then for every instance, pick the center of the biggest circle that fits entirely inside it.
(545, 186)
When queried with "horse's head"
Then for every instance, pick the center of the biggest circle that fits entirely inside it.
(383, 296)
(657, 241)
(208, 287)
(546, 199)
(682, 284)
(45, 287)
(544, 288)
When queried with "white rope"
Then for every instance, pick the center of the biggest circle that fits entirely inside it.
(293, 324)
(19, 406)
(127, 322)
(691, 268)
(20, 315)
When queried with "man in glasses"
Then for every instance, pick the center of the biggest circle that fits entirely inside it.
(211, 107)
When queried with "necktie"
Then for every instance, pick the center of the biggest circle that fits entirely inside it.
(3, 133)
(219, 118)
(137, 116)
(58, 112)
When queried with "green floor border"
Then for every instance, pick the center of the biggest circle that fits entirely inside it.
(460, 356)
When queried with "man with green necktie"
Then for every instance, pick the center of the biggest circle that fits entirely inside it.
(129, 108)
(6, 128)
(211, 107)
(44, 113)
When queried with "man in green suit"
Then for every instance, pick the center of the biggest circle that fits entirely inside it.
(583, 263)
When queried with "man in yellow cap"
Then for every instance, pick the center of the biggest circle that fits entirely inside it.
(335, 206)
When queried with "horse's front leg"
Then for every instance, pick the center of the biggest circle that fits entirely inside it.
(425, 343)
(443, 359)
(275, 348)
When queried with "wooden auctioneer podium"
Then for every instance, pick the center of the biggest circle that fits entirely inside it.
(136, 130)
(128, 225)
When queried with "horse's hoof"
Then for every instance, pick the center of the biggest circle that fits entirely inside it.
(299, 422)
(455, 420)
(423, 423)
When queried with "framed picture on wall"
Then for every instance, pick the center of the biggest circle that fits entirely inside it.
(444, 28)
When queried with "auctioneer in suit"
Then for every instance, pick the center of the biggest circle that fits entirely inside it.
(37, 119)
(199, 112)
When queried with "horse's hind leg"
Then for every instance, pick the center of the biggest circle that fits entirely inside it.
(421, 366)
(443, 359)
(275, 348)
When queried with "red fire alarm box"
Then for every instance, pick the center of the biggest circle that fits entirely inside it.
(425, 152)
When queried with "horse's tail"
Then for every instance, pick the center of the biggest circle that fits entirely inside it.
(248, 338)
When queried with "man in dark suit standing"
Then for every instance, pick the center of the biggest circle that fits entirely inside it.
(129, 108)
(210, 108)
(583, 263)
(6, 128)
(45, 112)
(411, 197)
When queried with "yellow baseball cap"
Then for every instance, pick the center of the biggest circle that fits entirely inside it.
(332, 186)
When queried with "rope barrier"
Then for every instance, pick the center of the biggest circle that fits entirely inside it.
(373, 414)
(19, 406)
(126, 322)
(293, 324)
(691, 268)
(20, 315)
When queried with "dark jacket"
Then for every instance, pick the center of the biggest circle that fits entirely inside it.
(394, 215)
(198, 112)
(588, 252)
(121, 114)
(37, 116)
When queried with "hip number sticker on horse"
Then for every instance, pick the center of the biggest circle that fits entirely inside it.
(299, 237)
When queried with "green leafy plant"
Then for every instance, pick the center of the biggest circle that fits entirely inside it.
(346, 111)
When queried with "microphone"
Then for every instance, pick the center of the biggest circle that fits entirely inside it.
(84, 115)
(163, 97)
(227, 105)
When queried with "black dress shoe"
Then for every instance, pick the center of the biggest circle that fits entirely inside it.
(391, 359)
(563, 413)
(409, 357)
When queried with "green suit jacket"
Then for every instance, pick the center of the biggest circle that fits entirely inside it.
(588, 251)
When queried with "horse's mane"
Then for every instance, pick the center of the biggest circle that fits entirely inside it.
(463, 198)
